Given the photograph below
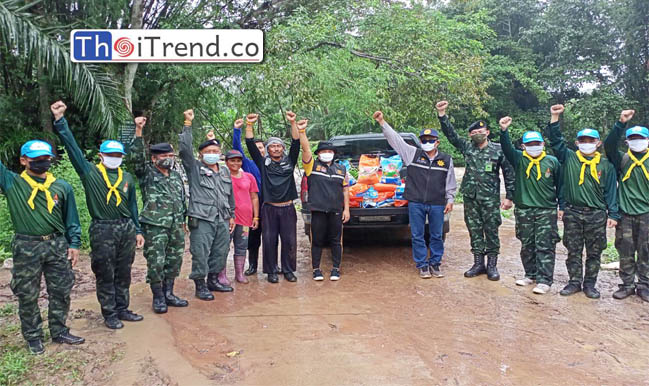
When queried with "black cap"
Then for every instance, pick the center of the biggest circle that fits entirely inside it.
(161, 148)
(478, 125)
(233, 154)
(325, 145)
(209, 142)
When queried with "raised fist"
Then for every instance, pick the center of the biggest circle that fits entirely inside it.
(556, 109)
(189, 115)
(238, 123)
(290, 116)
(210, 135)
(301, 125)
(626, 115)
(505, 122)
(140, 122)
(441, 107)
(378, 116)
(252, 118)
(58, 109)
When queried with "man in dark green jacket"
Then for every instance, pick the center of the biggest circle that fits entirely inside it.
(115, 229)
(46, 242)
(162, 218)
(536, 196)
(590, 200)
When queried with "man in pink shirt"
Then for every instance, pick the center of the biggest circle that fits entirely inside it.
(246, 212)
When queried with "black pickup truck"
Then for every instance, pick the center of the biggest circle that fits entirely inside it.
(351, 147)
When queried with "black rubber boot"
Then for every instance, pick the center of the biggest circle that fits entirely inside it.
(171, 299)
(159, 304)
(201, 290)
(213, 284)
(478, 267)
(492, 271)
(252, 263)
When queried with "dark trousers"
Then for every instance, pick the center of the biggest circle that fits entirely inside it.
(112, 244)
(631, 240)
(254, 242)
(584, 227)
(279, 223)
(326, 231)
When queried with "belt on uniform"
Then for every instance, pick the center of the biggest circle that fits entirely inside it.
(280, 205)
(583, 208)
(38, 238)
(114, 221)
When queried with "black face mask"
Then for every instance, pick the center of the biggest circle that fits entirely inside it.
(165, 163)
(40, 167)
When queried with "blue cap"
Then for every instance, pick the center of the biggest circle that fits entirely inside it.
(36, 148)
(431, 132)
(111, 146)
(638, 130)
(532, 136)
(588, 133)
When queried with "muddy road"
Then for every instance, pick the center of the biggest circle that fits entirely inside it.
(380, 324)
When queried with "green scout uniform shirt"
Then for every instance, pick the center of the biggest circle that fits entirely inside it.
(64, 218)
(163, 196)
(481, 177)
(591, 194)
(95, 186)
(634, 192)
(531, 192)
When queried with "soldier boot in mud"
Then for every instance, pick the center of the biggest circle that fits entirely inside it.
(159, 303)
(201, 290)
(492, 270)
(171, 299)
(478, 267)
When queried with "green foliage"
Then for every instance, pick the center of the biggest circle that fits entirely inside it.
(14, 365)
(610, 254)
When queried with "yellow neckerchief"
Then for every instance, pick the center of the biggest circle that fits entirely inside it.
(592, 163)
(534, 161)
(44, 187)
(636, 162)
(111, 188)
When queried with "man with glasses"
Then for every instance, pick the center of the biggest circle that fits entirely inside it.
(430, 191)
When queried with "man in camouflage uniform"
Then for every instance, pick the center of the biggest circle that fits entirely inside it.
(115, 230)
(481, 190)
(162, 218)
(590, 195)
(47, 240)
(536, 195)
(632, 232)
(210, 212)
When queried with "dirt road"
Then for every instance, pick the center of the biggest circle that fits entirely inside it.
(380, 324)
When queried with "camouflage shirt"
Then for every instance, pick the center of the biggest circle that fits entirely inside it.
(163, 196)
(482, 174)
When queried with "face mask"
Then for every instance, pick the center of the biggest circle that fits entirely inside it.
(534, 151)
(587, 148)
(40, 167)
(326, 157)
(112, 162)
(429, 146)
(211, 159)
(638, 145)
(165, 163)
(478, 139)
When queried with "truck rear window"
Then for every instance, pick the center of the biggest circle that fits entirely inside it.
(353, 148)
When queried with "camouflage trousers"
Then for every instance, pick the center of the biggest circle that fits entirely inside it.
(112, 244)
(482, 218)
(163, 251)
(209, 244)
(584, 227)
(32, 259)
(537, 230)
(631, 238)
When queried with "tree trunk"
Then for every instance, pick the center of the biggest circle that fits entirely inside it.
(131, 68)
(44, 103)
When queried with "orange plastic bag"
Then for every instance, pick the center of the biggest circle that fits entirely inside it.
(399, 203)
(357, 189)
(385, 187)
(368, 169)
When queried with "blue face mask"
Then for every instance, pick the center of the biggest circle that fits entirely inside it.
(211, 159)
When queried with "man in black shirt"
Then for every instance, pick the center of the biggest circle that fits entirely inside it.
(278, 189)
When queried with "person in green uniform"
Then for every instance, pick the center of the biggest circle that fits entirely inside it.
(536, 196)
(590, 203)
(162, 218)
(115, 230)
(46, 242)
(632, 232)
(481, 191)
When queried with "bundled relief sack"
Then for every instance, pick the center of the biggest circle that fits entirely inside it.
(391, 169)
(368, 169)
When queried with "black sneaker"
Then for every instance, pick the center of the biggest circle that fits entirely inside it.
(570, 289)
(317, 275)
(290, 276)
(591, 292)
(643, 293)
(335, 274)
(68, 338)
(35, 346)
(129, 316)
(436, 272)
(272, 278)
(623, 293)
(424, 273)
(113, 323)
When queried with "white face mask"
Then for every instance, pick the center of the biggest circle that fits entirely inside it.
(587, 148)
(211, 159)
(429, 146)
(534, 151)
(111, 162)
(326, 157)
(638, 145)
